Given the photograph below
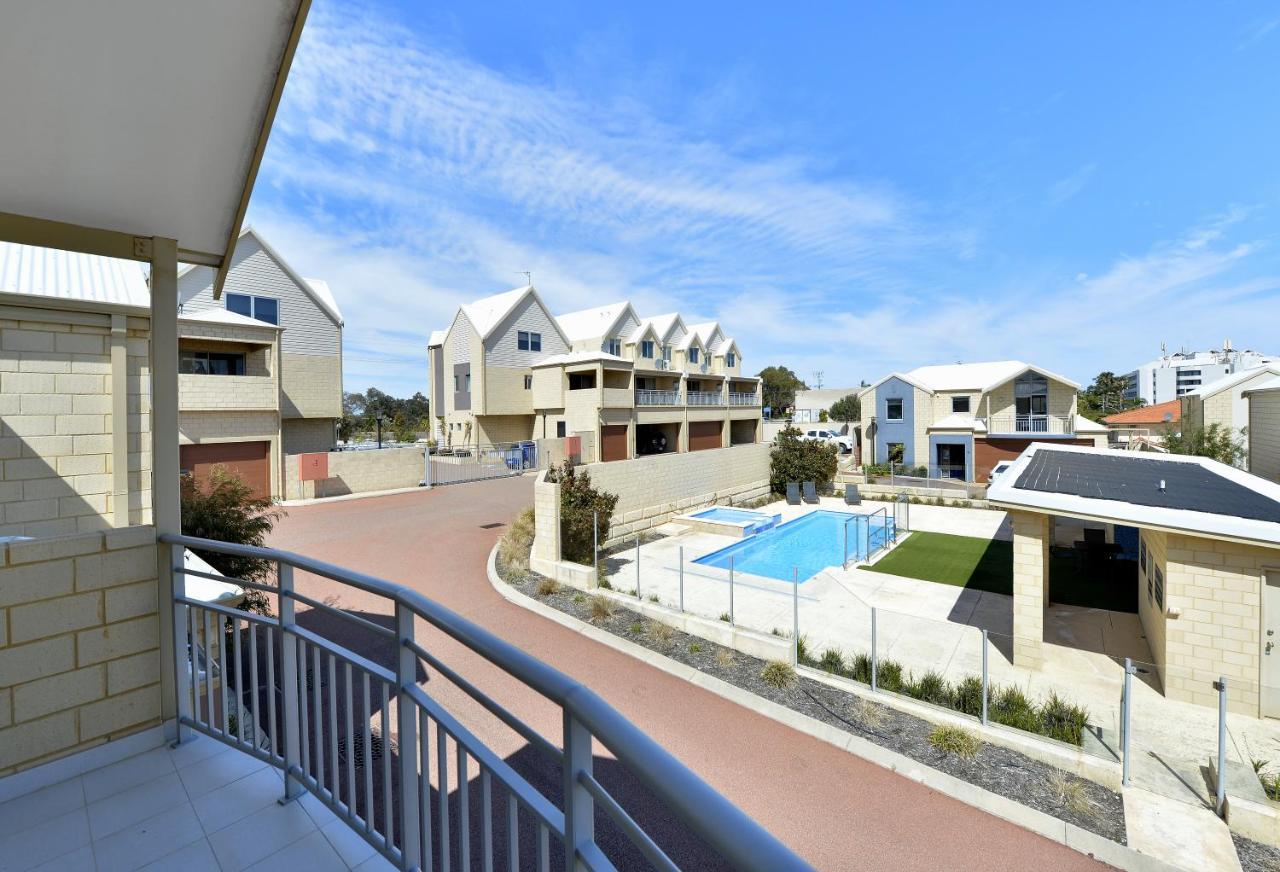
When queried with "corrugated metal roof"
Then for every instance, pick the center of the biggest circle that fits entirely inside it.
(69, 275)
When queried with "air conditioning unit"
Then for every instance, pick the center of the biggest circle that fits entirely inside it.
(661, 363)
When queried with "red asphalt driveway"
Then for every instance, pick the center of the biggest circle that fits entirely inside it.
(834, 809)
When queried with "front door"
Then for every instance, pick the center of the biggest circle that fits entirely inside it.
(1271, 647)
(950, 459)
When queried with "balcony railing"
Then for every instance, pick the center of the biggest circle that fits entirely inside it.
(740, 399)
(657, 398)
(704, 398)
(321, 697)
(1051, 425)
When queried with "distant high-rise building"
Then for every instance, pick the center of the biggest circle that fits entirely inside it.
(1170, 376)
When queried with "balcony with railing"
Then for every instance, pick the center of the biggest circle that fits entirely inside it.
(704, 398)
(658, 398)
(321, 711)
(737, 398)
(1029, 425)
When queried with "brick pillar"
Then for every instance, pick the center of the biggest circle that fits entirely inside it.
(546, 512)
(1030, 586)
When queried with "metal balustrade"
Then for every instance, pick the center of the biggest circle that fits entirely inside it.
(320, 698)
(741, 399)
(704, 398)
(1053, 425)
(657, 398)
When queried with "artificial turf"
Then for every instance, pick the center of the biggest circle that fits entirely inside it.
(987, 564)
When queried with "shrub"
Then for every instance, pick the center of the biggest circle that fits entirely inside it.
(1061, 720)
(724, 616)
(579, 598)
(516, 543)
(636, 627)
(548, 586)
(889, 675)
(1010, 706)
(968, 696)
(832, 661)
(931, 687)
(779, 674)
(860, 668)
(1071, 793)
(660, 632)
(871, 716)
(604, 584)
(957, 741)
(226, 510)
(724, 658)
(694, 647)
(802, 650)
(579, 503)
(796, 459)
(654, 598)
(601, 607)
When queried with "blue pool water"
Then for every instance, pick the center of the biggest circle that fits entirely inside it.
(809, 544)
(737, 516)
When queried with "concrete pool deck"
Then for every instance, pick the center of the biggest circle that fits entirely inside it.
(928, 626)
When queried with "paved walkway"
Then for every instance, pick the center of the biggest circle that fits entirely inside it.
(837, 811)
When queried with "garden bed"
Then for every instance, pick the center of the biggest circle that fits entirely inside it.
(1007, 773)
(1255, 856)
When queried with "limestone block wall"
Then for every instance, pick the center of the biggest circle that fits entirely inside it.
(227, 392)
(79, 643)
(311, 385)
(357, 472)
(1031, 538)
(652, 489)
(56, 451)
(303, 435)
(1217, 587)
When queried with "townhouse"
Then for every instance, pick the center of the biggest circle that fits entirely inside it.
(1145, 427)
(1264, 429)
(960, 420)
(508, 370)
(1224, 402)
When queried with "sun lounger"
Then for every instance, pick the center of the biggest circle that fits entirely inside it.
(793, 493)
(810, 492)
(851, 495)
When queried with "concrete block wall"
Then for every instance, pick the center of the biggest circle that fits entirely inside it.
(79, 643)
(56, 451)
(311, 386)
(653, 489)
(306, 435)
(358, 472)
(227, 392)
(1217, 588)
(1031, 537)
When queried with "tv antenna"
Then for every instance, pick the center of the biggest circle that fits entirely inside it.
(528, 277)
(817, 379)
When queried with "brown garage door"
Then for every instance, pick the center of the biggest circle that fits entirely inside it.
(248, 460)
(704, 435)
(613, 442)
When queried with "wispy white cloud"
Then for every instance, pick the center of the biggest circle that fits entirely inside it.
(1066, 188)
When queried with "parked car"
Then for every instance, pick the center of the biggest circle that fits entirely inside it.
(999, 468)
(843, 443)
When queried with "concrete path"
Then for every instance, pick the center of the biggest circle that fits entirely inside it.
(836, 810)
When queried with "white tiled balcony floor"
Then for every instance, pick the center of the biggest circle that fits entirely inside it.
(200, 806)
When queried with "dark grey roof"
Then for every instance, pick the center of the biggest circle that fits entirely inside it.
(1136, 480)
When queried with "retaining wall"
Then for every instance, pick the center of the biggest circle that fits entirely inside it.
(357, 472)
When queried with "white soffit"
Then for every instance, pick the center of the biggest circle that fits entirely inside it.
(145, 117)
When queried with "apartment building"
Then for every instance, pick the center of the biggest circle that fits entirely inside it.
(262, 286)
(507, 369)
(1171, 376)
(960, 420)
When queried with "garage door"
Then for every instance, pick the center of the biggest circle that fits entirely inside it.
(704, 435)
(613, 442)
(248, 460)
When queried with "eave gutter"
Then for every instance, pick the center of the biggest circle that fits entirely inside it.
(260, 147)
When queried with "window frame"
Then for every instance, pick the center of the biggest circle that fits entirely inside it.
(1159, 585)
(192, 355)
(562, 430)
(253, 306)
(730, 359)
(888, 405)
(647, 348)
(528, 382)
(613, 346)
(693, 354)
(968, 404)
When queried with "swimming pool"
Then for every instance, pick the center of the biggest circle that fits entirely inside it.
(726, 521)
(808, 544)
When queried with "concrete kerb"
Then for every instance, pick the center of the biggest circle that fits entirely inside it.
(1076, 838)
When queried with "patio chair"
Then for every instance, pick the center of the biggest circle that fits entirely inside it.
(810, 492)
(851, 495)
(793, 493)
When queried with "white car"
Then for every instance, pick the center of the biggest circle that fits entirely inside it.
(843, 443)
(998, 469)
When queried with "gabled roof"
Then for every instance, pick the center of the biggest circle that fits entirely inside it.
(1265, 388)
(594, 323)
(1227, 382)
(664, 324)
(487, 313)
(706, 332)
(957, 421)
(1084, 425)
(977, 376)
(689, 339)
(638, 335)
(436, 338)
(573, 357)
(70, 275)
(1165, 491)
(1160, 413)
(725, 345)
(901, 376)
(324, 295)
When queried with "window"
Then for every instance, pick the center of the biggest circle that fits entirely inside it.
(526, 341)
(560, 429)
(646, 348)
(896, 452)
(960, 404)
(893, 410)
(614, 347)
(582, 381)
(210, 363)
(693, 354)
(467, 382)
(1030, 401)
(528, 383)
(260, 308)
(457, 383)
(666, 352)
(1159, 588)
(731, 359)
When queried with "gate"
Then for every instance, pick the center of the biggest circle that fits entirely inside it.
(479, 462)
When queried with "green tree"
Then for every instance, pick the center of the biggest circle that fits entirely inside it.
(226, 510)
(796, 459)
(1214, 441)
(778, 389)
(401, 418)
(847, 409)
(580, 503)
(1106, 396)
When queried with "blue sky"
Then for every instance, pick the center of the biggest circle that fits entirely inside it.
(847, 187)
